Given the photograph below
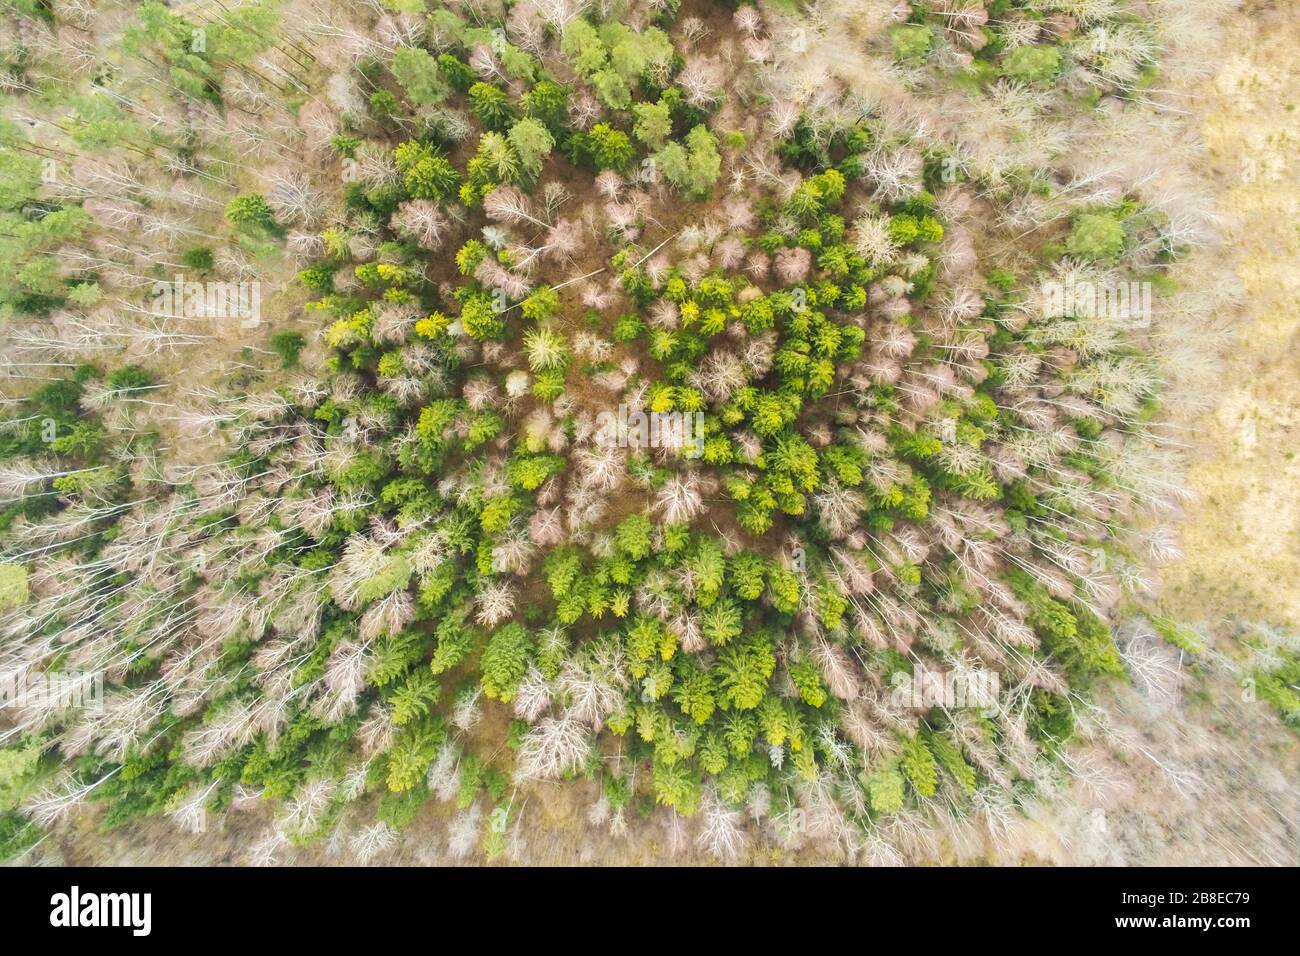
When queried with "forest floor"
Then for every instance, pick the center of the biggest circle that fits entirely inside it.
(1241, 562)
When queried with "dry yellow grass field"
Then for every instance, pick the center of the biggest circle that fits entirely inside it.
(1241, 537)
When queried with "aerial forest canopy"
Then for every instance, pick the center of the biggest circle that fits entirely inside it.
(422, 408)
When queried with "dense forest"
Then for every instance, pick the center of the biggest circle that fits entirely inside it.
(753, 419)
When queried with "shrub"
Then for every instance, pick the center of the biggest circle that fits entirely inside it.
(1032, 64)
(911, 41)
(251, 213)
(287, 345)
(1095, 236)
